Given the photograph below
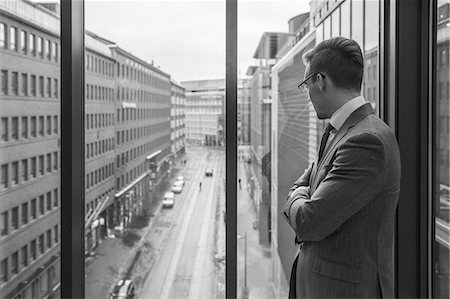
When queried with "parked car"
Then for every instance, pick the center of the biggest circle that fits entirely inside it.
(180, 179)
(168, 200)
(209, 172)
(124, 289)
(177, 187)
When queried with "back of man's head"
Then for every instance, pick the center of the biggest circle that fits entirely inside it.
(339, 58)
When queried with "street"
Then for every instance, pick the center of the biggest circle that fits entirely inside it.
(180, 252)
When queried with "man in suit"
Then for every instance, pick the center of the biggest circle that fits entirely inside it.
(342, 208)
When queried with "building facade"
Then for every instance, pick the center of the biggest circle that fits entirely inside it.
(177, 120)
(29, 151)
(244, 111)
(205, 119)
(128, 144)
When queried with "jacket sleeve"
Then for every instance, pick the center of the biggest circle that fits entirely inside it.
(351, 183)
(303, 180)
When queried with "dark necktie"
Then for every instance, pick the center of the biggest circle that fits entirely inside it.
(325, 136)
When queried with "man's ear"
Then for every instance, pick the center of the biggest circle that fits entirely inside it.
(321, 82)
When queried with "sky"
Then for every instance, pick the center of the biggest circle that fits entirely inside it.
(186, 38)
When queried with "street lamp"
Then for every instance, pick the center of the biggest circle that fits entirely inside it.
(245, 291)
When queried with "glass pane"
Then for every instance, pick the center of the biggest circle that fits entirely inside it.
(155, 155)
(371, 56)
(267, 31)
(345, 19)
(442, 238)
(29, 152)
(357, 21)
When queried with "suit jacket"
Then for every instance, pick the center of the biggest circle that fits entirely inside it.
(346, 225)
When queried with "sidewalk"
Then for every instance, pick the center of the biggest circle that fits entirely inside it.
(259, 262)
(115, 257)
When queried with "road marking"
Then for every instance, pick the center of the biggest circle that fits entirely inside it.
(202, 253)
(170, 276)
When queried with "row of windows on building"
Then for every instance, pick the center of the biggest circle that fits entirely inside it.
(20, 216)
(140, 96)
(129, 176)
(30, 168)
(99, 93)
(443, 57)
(13, 39)
(29, 253)
(203, 103)
(99, 175)
(99, 120)
(99, 147)
(443, 91)
(131, 114)
(99, 66)
(122, 159)
(24, 127)
(204, 111)
(125, 136)
(444, 124)
(14, 83)
(142, 77)
(39, 285)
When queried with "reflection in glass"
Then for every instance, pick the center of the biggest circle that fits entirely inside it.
(370, 51)
(442, 153)
(357, 20)
(345, 19)
(335, 23)
(29, 151)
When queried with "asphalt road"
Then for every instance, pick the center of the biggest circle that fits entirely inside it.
(183, 237)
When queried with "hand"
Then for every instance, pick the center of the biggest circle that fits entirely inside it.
(302, 191)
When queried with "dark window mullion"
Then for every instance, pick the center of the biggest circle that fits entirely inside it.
(72, 149)
(231, 150)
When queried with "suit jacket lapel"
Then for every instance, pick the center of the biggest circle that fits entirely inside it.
(351, 121)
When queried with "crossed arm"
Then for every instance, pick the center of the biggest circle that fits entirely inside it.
(350, 184)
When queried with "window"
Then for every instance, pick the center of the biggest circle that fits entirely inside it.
(41, 86)
(41, 126)
(56, 234)
(24, 89)
(12, 38)
(49, 201)
(55, 160)
(4, 178)
(55, 198)
(4, 270)
(14, 83)
(41, 244)
(4, 129)
(23, 41)
(33, 85)
(5, 223)
(41, 165)
(4, 83)
(54, 46)
(49, 238)
(49, 163)
(41, 205)
(2, 35)
(25, 213)
(49, 87)
(33, 250)
(33, 167)
(15, 128)
(39, 47)
(15, 263)
(47, 49)
(55, 88)
(24, 127)
(15, 173)
(55, 124)
(15, 218)
(24, 251)
(49, 125)
(31, 41)
(24, 170)
(33, 208)
(33, 126)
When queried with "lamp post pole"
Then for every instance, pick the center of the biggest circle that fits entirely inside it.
(245, 261)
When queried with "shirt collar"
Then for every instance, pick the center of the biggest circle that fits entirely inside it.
(340, 116)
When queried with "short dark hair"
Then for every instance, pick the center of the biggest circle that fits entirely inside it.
(341, 59)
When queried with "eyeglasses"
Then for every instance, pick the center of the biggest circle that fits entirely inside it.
(303, 86)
